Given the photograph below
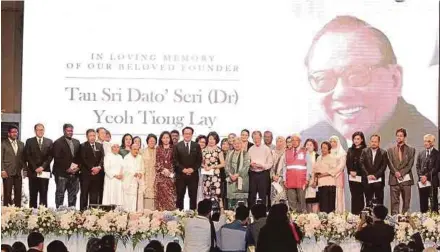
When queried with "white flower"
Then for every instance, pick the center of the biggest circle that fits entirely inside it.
(32, 222)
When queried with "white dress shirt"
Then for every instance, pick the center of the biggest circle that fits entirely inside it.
(373, 154)
(198, 233)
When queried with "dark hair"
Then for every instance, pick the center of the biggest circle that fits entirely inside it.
(18, 247)
(156, 245)
(329, 146)
(89, 131)
(149, 249)
(204, 207)
(224, 140)
(259, 211)
(160, 143)
(175, 132)
(188, 128)
(201, 137)
(401, 247)
(352, 24)
(214, 135)
(173, 247)
(6, 247)
(137, 137)
(56, 246)
(269, 132)
(361, 135)
(241, 213)
(93, 245)
(256, 132)
(11, 127)
(375, 135)
(67, 125)
(333, 247)
(401, 130)
(38, 124)
(100, 128)
(246, 130)
(34, 239)
(152, 136)
(380, 211)
(278, 215)
(108, 241)
(123, 140)
(315, 144)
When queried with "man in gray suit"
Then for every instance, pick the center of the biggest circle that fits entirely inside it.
(400, 161)
(12, 165)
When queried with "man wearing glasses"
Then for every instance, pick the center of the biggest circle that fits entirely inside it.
(354, 71)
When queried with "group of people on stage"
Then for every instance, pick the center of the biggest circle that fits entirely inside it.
(308, 176)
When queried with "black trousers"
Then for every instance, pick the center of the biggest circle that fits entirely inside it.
(327, 198)
(425, 199)
(374, 190)
(12, 183)
(69, 183)
(90, 187)
(258, 183)
(38, 186)
(357, 197)
(191, 182)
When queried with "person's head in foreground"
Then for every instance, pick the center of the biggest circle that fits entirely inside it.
(174, 247)
(333, 247)
(35, 240)
(56, 246)
(155, 245)
(93, 245)
(380, 212)
(6, 248)
(259, 211)
(19, 247)
(353, 70)
(109, 241)
(242, 214)
(204, 208)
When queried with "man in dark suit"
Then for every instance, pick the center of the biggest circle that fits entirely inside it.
(376, 236)
(427, 167)
(66, 166)
(92, 160)
(13, 162)
(35, 242)
(359, 85)
(187, 160)
(400, 161)
(38, 152)
(374, 161)
(102, 135)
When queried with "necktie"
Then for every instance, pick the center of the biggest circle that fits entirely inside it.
(93, 149)
(14, 146)
(40, 144)
(187, 147)
(428, 153)
(294, 153)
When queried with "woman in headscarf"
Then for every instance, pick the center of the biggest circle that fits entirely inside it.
(149, 158)
(339, 153)
(113, 164)
(312, 154)
(237, 173)
(277, 191)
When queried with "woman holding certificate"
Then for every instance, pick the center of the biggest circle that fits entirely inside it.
(213, 161)
(354, 170)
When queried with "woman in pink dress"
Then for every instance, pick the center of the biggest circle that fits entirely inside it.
(165, 199)
(339, 153)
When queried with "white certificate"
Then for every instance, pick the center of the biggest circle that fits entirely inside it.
(405, 178)
(44, 175)
(375, 181)
(355, 179)
(427, 184)
(208, 173)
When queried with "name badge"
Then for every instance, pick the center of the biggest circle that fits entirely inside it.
(301, 156)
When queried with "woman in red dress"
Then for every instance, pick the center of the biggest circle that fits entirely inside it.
(165, 199)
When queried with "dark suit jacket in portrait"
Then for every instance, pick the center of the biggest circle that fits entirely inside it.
(62, 156)
(38, 158)
(183, 160)
(378, 167)
(91, 158)
(405, 115)
(404, 167)
(11, 163)
(429, 166)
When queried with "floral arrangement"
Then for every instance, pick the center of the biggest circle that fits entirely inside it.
(146, 225)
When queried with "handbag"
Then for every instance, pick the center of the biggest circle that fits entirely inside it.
(213, 247)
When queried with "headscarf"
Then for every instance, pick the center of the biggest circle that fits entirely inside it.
(338, 151)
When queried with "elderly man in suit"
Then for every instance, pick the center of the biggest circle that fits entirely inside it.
(374, 161)
(13, 162)
(187, 158)
(66, 166)
(92, 162)
(38, 152)
(427, 167)
(400, 161)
